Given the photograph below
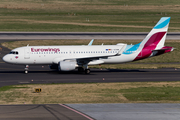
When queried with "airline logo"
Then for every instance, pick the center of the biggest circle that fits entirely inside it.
(16, 57)
(45, 49)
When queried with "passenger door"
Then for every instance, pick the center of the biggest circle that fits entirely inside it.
(27, 53)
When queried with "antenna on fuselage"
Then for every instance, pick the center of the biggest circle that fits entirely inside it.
(27, 45)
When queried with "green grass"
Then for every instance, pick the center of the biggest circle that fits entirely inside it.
(5, 88)
(168, 93)
(9, 97)
(104, 12)
(136, 92)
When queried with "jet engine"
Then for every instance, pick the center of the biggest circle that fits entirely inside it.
(66, 66)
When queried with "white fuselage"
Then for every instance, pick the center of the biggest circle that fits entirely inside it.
(42, 55)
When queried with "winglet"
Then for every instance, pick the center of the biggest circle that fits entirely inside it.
(90, 43)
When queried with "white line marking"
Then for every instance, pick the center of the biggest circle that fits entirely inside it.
(76, 111)
(24, 82)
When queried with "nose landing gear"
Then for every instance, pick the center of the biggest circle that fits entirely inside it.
(26, 69)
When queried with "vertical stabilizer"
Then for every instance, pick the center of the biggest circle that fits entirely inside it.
(157, 36)
(155, 39)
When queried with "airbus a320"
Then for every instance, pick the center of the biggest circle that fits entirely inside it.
(67, 58)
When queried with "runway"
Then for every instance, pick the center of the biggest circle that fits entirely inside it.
(9, 36)
(14, 74)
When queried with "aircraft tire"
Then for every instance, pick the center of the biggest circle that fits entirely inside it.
(87, 71)
(26, 72)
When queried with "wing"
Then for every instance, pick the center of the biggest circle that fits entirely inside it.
(87, 59)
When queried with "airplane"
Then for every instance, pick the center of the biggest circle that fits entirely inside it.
(67, 58)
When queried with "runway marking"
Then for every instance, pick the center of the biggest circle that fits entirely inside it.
(24, 82)
(76, 111)
(42, 80)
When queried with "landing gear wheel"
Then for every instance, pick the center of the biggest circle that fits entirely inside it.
(25, 71)
(87, 71)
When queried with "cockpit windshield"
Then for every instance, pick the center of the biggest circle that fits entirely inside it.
(14, 52)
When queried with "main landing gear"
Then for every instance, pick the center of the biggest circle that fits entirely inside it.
(87, 71)
(26, 69)
(84, 69)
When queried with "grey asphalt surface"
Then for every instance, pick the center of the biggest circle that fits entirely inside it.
(39, 112)
(14, 74)
(8, 36)
(130, 111)
(117, 111)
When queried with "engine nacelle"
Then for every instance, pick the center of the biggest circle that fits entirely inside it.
(66, 66)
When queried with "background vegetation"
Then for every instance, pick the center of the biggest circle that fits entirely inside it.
(87, 15)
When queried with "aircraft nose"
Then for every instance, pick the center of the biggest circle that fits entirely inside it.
(5, 58)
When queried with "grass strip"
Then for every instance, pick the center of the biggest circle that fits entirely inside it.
(136, 92)
(87, 16)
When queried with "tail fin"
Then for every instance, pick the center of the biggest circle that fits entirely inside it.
(154, 40)
(157, 35)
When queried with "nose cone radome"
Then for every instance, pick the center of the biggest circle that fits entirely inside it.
(5, 58)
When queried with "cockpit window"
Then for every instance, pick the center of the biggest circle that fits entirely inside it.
(14, 52)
